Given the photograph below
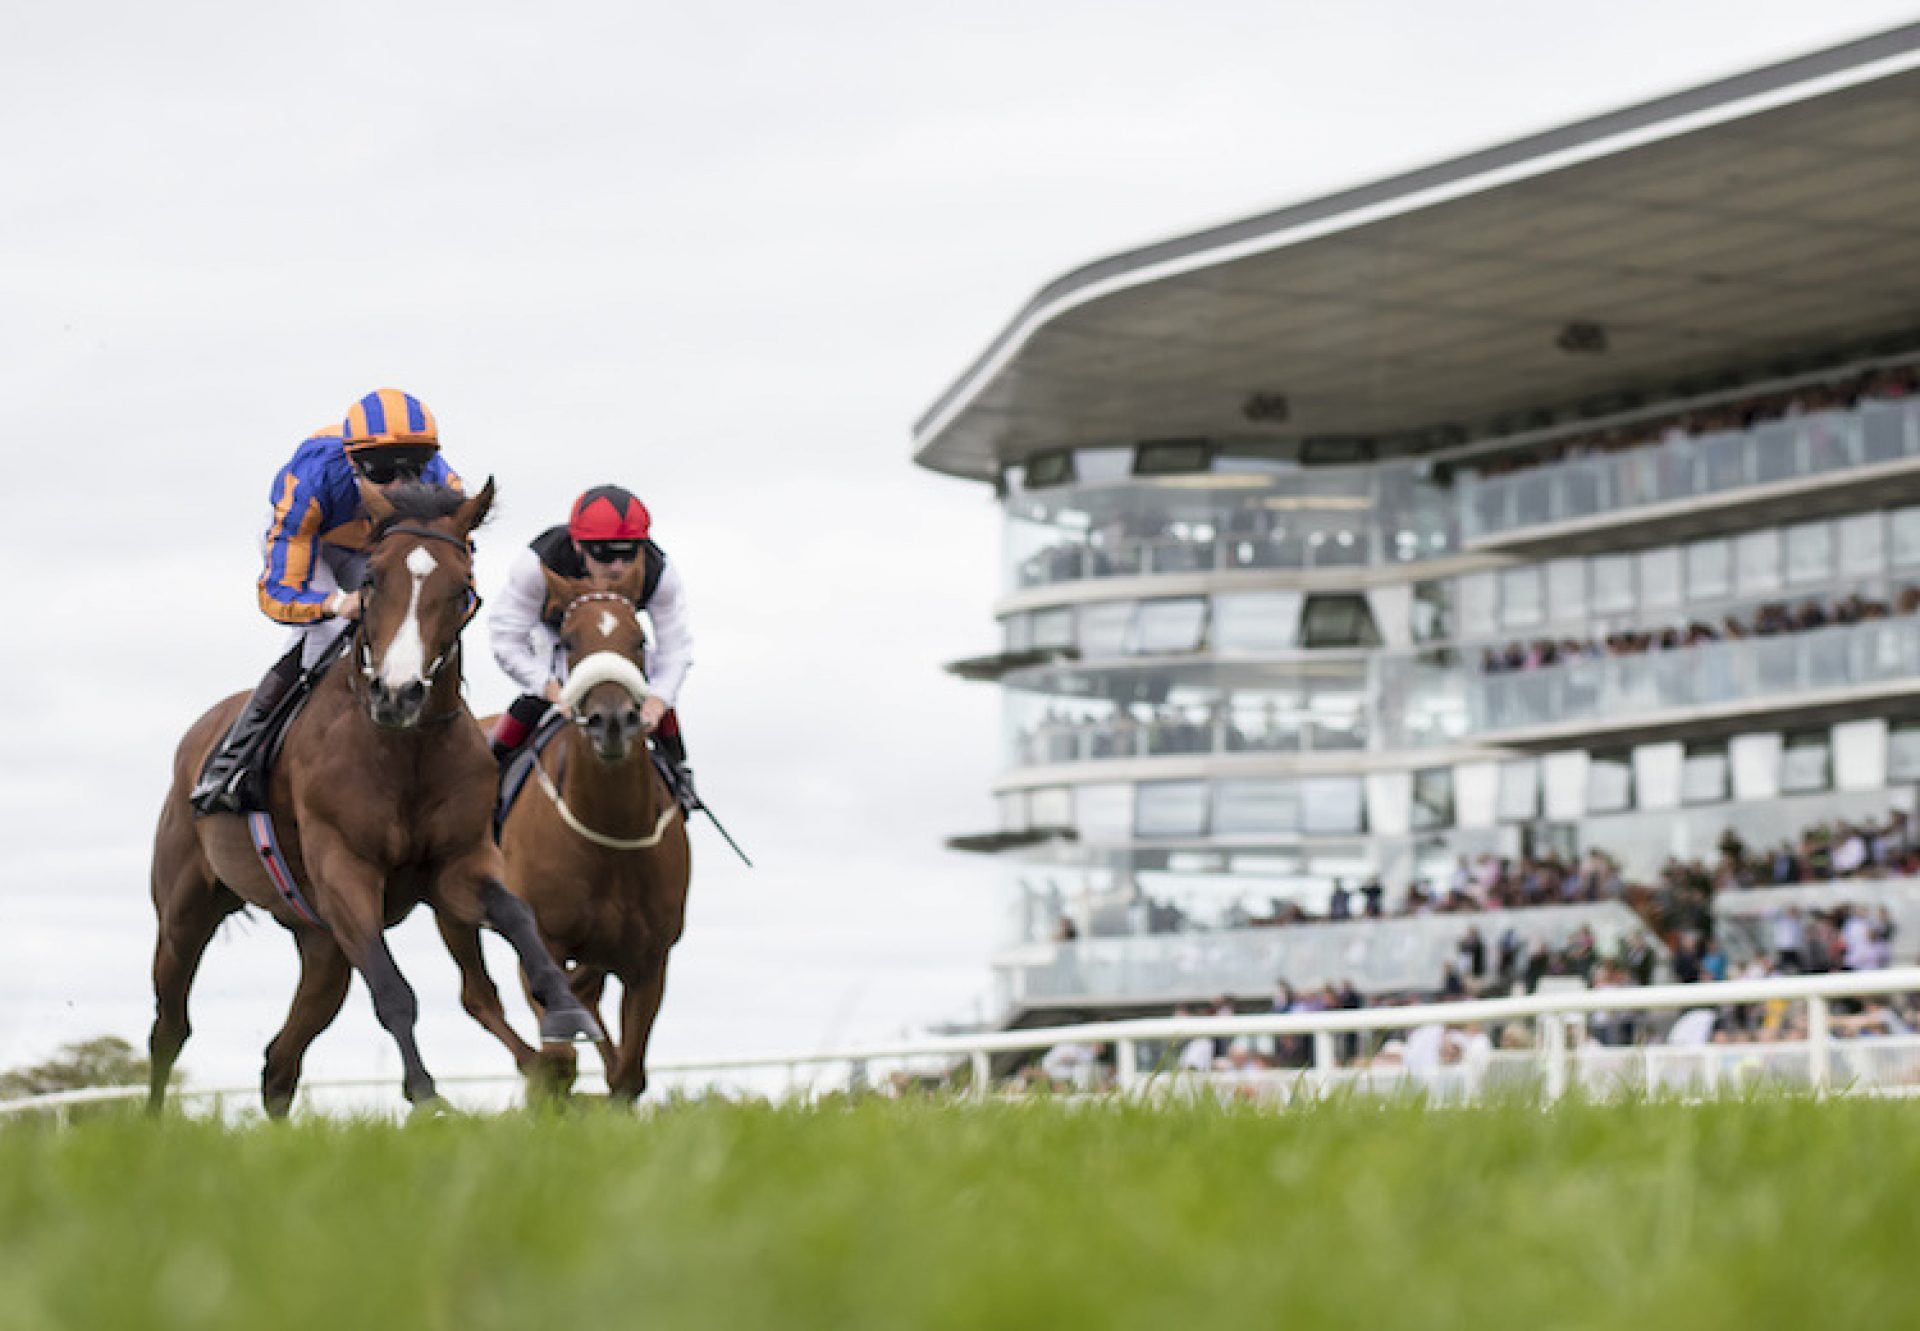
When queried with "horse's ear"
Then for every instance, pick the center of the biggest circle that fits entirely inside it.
(561, 592)
(475, 510)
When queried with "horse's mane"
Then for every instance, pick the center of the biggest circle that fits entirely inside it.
(420, 503)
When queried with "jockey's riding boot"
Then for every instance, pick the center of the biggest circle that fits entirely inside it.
(515, 727)
(219, 787)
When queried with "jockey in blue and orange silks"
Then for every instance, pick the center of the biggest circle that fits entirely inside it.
(315, 554)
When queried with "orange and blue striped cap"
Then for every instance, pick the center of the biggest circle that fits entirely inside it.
(387, 417)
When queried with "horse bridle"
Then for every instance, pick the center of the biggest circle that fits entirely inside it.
(632, 605)
(364, 648)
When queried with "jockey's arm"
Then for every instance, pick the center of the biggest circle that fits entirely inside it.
(292, 546)
(672, 653)
(437, 472)
(514, 628)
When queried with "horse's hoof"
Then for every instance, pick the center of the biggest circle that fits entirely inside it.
(431, 1107)
(574, 1025)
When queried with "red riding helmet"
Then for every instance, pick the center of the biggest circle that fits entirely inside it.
(609, 513)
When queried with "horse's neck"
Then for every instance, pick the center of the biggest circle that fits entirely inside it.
(620, 800)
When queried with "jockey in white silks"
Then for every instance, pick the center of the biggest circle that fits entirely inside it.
(607, 532)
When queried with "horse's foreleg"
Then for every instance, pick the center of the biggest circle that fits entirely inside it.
(324, 977)
(477, 992)
(563, 1017)
(639, 1006)
(349, 895)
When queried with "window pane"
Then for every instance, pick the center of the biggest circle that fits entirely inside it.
(1013, 812)
(1051, 806)
(1256, 808)
(1756, 562)
(1566, 590)
(1519, 798)
(1709, 569)
(1612, 583)
(1863, 546)
(1338, 621)
(1171, 808)
(1433, 799)
(1016, 633)
(1256, 621)
(1432, 619)
(1104, 812)
(1609, 785)
(1103, 629)
(1053, 628)
(1169, 626)
(1810, 552)
(1332, 805)
(1521, 605)
(1903, 753)
(1479, 600)
(1904, 531)
(1660, 577)
(1803, 764)
(1703, 777)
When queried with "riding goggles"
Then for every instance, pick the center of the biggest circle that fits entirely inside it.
(385, 471)
(611, 552)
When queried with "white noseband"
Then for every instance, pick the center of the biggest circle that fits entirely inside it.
(604, 668)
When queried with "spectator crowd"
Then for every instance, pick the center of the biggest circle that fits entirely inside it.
(1769, 620)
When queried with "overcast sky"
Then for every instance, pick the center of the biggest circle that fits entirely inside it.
(721, 255)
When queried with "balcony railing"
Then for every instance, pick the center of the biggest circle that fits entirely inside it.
(1690, 467)
(1377, 956)
(1633, 688)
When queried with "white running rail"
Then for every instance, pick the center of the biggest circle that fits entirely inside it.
(1553, 1058)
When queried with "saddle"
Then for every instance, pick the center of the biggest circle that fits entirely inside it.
(256, 776)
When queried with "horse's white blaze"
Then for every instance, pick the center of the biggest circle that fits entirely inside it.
(406, 658)
(604, 668)
(608, 623)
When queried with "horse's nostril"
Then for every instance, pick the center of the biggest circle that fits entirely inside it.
(413, 693)
(377, 689)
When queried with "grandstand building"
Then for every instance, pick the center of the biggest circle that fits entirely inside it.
(1564, 496)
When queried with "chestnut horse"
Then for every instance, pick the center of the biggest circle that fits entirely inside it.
(600, 850)
(382, 797)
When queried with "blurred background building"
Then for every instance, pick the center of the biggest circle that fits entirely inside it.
(1395, 552)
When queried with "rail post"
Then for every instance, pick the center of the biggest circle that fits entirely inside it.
(1126, 1065)
(1553, 1054)
(1819, 1043)
(982, 1073)
(1326, 1061)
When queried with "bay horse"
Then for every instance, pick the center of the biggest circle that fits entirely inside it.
(382, 797)
(600, 852)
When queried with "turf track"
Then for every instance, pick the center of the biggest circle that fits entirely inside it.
(1758, 1214)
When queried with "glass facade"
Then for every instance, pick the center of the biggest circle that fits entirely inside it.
(1304, 662)
(1247, 688)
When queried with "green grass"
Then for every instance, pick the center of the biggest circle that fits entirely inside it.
(1764, 1213)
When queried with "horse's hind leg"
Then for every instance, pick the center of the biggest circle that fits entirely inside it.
(324, 977)
(189, 904)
